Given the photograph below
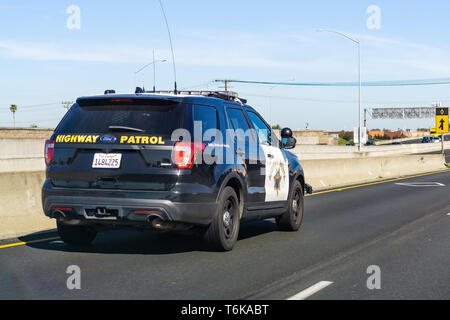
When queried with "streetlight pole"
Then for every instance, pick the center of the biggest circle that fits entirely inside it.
(360, 79)
(154, 62)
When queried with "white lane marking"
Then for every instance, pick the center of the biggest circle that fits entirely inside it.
(448, 214)
(311, 290)
(421, 184)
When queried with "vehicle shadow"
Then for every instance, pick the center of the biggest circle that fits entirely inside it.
(150, 242)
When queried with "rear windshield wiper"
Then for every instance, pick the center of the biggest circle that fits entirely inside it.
(121, 128)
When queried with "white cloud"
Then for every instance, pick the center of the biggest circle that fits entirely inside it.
(383, 57)
(54, 52)
(195, 55)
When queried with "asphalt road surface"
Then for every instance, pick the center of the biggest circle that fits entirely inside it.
(401, 227)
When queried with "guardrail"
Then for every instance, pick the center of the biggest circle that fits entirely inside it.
(346, 152)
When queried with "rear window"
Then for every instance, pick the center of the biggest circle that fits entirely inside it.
(153, 118)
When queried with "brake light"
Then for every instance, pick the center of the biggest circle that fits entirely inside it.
(121, 100)
(184, 153)
(49, 151)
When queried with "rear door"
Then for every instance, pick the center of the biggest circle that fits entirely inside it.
(247, 150)
(117, 143)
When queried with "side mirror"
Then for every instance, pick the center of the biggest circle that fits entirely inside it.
(287, 141)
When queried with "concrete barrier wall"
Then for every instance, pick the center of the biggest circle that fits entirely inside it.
(19, 155)
(325, 174)
(20, 204)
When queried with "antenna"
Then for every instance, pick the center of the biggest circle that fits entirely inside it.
(171, 47)
(225, 82)
(67, 104)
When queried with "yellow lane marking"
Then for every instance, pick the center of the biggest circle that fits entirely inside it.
(28, 242)
(375, 183)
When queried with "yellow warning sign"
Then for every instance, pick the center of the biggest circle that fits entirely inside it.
(442, 125)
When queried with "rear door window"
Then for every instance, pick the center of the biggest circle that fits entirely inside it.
(207, 116)
(238, 120)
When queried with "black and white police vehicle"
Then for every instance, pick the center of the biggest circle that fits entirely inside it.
(202, 161)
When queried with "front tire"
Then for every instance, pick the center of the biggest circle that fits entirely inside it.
(223, 231)
(76, 235)
(291, 220)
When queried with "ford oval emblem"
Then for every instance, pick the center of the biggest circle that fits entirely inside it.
(109, 139)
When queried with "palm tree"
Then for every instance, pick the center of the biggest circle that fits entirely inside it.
(13, 109)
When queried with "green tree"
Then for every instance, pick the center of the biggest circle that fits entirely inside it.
(13, 109)
(348, 136)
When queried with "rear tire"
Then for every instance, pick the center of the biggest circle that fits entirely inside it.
(291, 220)
(76, 235)
(223, 231)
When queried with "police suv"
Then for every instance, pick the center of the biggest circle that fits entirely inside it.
(178, 161)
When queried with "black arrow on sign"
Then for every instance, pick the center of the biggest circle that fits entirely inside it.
(442, 124)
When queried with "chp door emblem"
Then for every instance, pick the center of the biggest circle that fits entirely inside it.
(277, 176)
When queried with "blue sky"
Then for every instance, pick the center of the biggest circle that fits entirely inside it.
(43, 62)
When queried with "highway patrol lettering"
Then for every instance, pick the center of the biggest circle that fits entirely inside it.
(76, 138)
(141, 140)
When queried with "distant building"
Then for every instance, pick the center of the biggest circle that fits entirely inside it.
(389, 134)
(397, 134)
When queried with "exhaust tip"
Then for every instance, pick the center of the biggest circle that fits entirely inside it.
(59, 215)
(156, 222)
(160, 224)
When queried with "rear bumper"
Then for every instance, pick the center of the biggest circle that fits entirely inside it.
(129, 207)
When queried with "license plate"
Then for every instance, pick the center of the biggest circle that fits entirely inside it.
(107, 160)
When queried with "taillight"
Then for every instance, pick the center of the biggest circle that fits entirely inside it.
(184, 153)
(147, 212)
(49, 151)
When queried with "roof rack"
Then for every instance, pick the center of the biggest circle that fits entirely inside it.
(224, 95)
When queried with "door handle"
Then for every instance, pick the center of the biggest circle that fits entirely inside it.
(269, 155)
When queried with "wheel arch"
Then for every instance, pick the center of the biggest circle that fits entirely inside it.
(236, 182)
(300, 178)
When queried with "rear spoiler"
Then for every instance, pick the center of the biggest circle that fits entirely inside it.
(126, 101)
